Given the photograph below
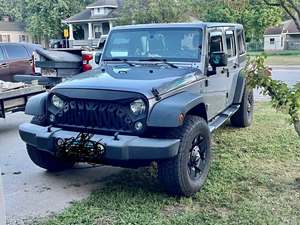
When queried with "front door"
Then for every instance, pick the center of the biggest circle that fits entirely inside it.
(4, 67)
(19, 59)
(216, 91)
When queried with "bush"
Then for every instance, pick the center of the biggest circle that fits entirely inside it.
(284, 99)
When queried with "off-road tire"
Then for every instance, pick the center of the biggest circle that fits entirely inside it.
(244, 116)
(174, 173)
(47, 161)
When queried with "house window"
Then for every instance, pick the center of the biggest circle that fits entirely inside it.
(23, 38)
(272, 41)
(5, 38)
(100, 11)
(98, 31)
(105, 28)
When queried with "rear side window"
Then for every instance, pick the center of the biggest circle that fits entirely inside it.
(1, 54)
(241, 42)
(230, 42)
(16, 52)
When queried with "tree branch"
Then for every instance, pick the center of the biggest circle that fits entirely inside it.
(282, 3)
(272, 3)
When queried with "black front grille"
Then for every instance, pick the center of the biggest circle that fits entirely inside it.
(96, 115)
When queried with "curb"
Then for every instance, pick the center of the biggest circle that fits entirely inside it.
(2, 208)
(285, 67)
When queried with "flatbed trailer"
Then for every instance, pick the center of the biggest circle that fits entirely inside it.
(15, 100)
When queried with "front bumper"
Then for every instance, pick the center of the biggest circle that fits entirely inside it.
(126, 148)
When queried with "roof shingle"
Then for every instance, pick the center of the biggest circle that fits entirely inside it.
(12, 26)
(86, 14)
(288, 26)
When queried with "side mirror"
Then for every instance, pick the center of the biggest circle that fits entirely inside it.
(98, 57)
(218, 59)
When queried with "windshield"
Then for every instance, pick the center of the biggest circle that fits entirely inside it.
(171, 44)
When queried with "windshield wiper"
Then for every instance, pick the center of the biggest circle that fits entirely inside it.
(159, 60)
(119, 60)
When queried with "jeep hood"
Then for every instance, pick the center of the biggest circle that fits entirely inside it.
(139, 79)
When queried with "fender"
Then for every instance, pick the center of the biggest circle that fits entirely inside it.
(166, 113)
(240, 87)
(36, 105)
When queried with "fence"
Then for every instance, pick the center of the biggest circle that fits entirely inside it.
(255, 46)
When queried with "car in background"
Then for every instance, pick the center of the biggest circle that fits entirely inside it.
(16, 58)
(58, 43)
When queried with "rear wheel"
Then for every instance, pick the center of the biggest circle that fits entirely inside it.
(244, 116)
(47, 161)
(187, 172)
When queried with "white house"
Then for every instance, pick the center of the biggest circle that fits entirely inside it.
(88, 26)
(13, 31)
(286, 36)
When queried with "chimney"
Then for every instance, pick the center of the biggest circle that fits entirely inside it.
(6, 18)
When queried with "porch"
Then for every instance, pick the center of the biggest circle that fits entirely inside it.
(87, 34)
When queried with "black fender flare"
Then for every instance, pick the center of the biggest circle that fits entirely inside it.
(36, 105)
(166, 113)
(240, 88)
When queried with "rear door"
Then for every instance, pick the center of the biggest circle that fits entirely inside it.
(4, 68)
(233, 66)
(20, 61)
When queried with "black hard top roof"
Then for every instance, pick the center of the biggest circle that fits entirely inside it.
(178, 25)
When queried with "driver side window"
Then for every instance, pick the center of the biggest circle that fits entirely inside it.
(216, 42)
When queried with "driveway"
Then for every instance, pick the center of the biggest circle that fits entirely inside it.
(31, 192)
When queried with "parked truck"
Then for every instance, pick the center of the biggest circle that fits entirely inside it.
(52, 66)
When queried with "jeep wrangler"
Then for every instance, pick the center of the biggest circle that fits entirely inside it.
(158, 94)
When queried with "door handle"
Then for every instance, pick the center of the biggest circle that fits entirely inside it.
(236, 65)
(225, 70)
(4, 65)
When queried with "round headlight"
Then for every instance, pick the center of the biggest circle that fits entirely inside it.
(138, 107)
(57, 102)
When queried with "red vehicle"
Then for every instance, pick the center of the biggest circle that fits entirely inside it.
(16, 58)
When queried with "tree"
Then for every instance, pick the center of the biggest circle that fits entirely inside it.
(15, 9)
(291, 7)
(44, 17)
(153, 11)
(256, 16)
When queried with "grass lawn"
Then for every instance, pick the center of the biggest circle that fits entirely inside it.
(285, 58)
(288, 60)
(254, 179)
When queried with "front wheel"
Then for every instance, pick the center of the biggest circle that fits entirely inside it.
(47, 161)
(186, 174)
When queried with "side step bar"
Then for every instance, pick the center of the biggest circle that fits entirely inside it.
(223, 117)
